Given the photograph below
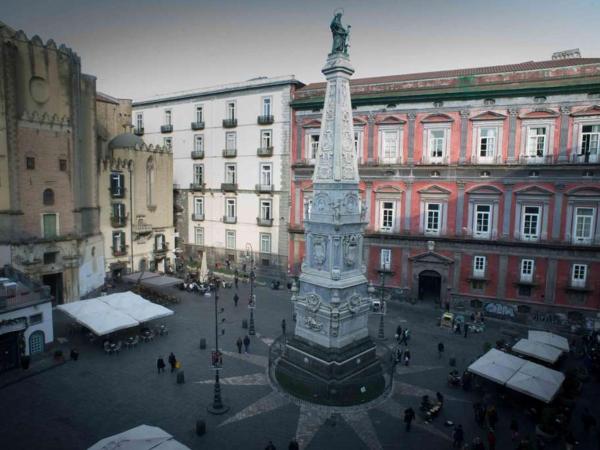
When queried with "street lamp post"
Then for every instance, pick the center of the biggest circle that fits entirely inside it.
(217, 406)
(252, 300)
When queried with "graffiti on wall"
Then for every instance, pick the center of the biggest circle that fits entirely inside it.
(498, 309)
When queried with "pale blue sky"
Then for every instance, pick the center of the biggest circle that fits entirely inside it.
(146, 47)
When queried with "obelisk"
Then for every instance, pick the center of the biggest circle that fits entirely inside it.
(331, 355)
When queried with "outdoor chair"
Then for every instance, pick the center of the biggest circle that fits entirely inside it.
(118, 347)
(107, 348)
(136, 339)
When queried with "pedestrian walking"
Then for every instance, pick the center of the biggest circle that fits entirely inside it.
(270, 446)
(74, 354)
(294, 445)
(236, 298)
(491, 438)
(406, 336)
(172, 362)
(239, 344)
(160, 364)
(398, 354)
(406, 357)
(246, 343)
(588, 420)
(398, 333)
(283, 326)
(514, 429)
(409, 415)
(236, 280)
(458, 436)
(466, 330)
(440, 350)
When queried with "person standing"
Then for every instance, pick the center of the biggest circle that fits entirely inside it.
(491, 438)
(398, 333)
(398, 355)
(283, 326)
(466, 329)
(236, 297)
(172, 362)
(160, 364)
(246, 343)
(239, 344)
(458, 436)
(440, 350)
(492, 417)
(409, 415)
(406, 357)
(235, 279)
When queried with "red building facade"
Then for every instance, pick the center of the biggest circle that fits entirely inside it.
(482, 186)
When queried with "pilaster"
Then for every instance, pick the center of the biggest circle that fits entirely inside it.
(371, 136)
(411, 137)
(508, 194)
(460, 202)
(464, 124)
(512, 133)
(564, 133)
(407, 205)
(502, 271)
(550, 282)
(556, 216)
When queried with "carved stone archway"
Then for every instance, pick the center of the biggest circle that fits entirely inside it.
(429, 263)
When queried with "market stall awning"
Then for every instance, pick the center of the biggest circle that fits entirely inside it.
(536, 381)
(136, 306)
(99, 317)
(143, 437)
(549, 339)
(537, 350)
(152, 279)
(496, 366)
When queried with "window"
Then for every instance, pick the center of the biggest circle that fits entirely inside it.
(437, 144)
(579, 275)
(230, 110)
(387, 215)
(266, 106)
(168, 117)
(168, 142)
(30, 162)
(118, 240)
(527, 270)
(230, 140)
(590, 143)
(35, 319)
(198, 173)
(482, 221)
(313, 147)
(265, 242)
(536, 142)
(48, 197)
(139, 121)
(199, 114)
(530, 230)
(307, 207)
(583, 226)
(266, 174)
(433, 218)
(50, 257)
(230, 209)
(385, 259)
(389, 146)
(266, 138)
(230, 239)
(199, 206)
(159, 242)
(118, 210)
(62, 165)
(266, 210)
(199, 236)
(49, 225)
(230, 173)
(199, 143)
(479, 265)
(486, 146)
(117, 184)
(358, 134)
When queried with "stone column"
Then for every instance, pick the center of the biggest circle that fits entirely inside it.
(502, 270)
(460, 201)
(508, 193)
(512, 133)
(464, 124)
(411, 137)
(558, 201)
(564, 133)
(371, 136)
(407, 205)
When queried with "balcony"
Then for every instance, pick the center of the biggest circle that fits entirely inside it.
(264, 188)
(229, 153)
(197, 154)
(166, 128)
(585, 159)
(530, 159)
(229, 123)
(264, 222)
(138, 131)
(161, 251)
(264, 151)
(142, 228)
(229, 219)
(197, 125)
(265, 120)
(197, 186)
(117, 192)
(120, 251)
(118, 221)
(578, 286)
(229, 187)
(198, 217)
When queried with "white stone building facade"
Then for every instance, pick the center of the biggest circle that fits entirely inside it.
(231, 155)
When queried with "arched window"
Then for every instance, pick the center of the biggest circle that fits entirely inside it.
(48, 197)
(36, 342)
(150, 181)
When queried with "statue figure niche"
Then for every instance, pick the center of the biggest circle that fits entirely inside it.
(340, 35)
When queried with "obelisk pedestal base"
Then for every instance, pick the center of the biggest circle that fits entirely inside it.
(341, 377)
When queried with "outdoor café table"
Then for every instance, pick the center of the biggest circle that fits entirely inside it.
(129, 342)
(147, 336)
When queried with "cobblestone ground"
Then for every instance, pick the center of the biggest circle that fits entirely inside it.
(78, 403)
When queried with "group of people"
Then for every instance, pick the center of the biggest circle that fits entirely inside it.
(245, 342)
(160, 363)
(402, 337)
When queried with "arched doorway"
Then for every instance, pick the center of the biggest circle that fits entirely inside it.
(430, 285)
(36, 342)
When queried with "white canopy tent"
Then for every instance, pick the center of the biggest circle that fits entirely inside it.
(143, 437)
(98, 316)
(136, 306)
(536, 381)
(538, 350)
(549, 339)
(496, 366)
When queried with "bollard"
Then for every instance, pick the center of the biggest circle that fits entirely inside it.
(245, 324)
(202, 344)
(200, 427)
(180, 377)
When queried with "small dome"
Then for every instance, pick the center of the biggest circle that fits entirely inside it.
(125, 140)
